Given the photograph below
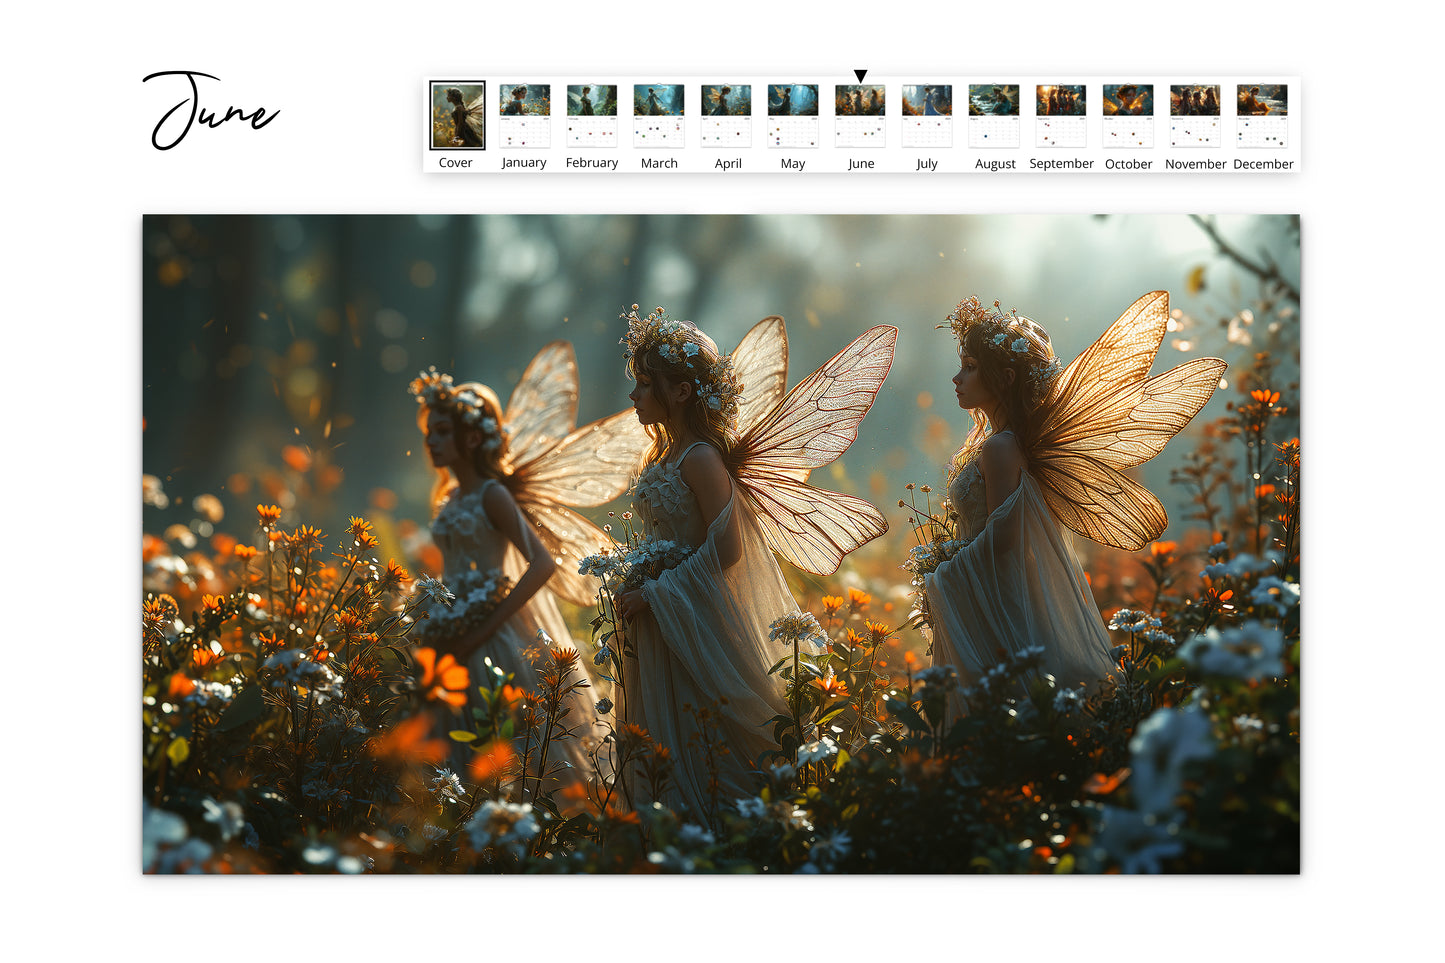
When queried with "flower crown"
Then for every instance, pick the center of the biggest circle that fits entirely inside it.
(1013, 337)
(717, 385)
(438, 392)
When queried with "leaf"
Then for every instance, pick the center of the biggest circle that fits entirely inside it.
(907, 713)
(1194, 282)
(462, 735)
(246, 706)
(838, 764)
(178, 751)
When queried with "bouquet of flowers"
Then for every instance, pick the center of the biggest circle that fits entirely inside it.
(477, 594)
(624, 567)
(936, 545)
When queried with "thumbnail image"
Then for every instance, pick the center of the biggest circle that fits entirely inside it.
(858, 100)
(1129, 100)
(457, 115)
(727, 100)
(657, 100)
(526, 100)
(1060, 100)
(1194, 100)
(589, 100)
(1258, 99)
(993, 99)
(799, 100)
(928, 100)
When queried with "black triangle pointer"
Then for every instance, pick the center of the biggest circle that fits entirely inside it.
(860, 74)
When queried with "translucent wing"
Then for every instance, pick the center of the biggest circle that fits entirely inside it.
(811, 427)
(592, 465)
(569, 538)
(1105, 414)
(761, 366)
(556, 468)
(543, 407)
(476, 117)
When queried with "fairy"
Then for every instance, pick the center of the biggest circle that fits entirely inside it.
(726, 477)
(468, 120)
(507, 481)
(1047, 452)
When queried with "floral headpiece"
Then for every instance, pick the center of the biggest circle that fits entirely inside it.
(438, 392)
(1013, 338)
(717, 385)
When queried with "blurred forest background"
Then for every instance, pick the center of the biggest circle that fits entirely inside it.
(277, 349)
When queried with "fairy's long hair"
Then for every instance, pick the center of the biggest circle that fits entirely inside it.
(491, 457)
(718, 428)
(1022, 398)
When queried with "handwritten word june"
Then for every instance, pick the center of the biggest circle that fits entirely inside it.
(257, 117)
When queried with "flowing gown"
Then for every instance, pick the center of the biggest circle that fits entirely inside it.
(705, 642)
(472, 550)
(1015, 583)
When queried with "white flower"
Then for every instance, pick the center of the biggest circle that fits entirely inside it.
(1136, 841)
(827, 851)
(445, 785)
(435, 590)
(505, 825)
(1275, 592)
(816, 751)
(1067, 700)
(695, 836)
(798, 627)
(1248, 723)
(1163, 745)
(1250, 651)
(753, 808)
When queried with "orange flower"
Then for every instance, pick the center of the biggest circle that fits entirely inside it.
(858, 599)
(1101, 785)
(212, 603)
(180, 686)
(394, 575)
(269, 515)
(222, 543)
(307, 538)
(244, 551)
(831, 605)
(360, 531)
(1260, 491)
(443, 680)
(831, 686)
(407, 742)
(495, 760)
(877, 633)
(1265, 397)
(1164, 549)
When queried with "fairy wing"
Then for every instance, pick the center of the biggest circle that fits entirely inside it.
(556, 468)
(592, 465)
(543, 407)
(1104, 415)
(809, 428)
(760, 364)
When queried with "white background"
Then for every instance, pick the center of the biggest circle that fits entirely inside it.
(80, 172)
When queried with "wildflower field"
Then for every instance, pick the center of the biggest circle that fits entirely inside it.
(295, 720)
(291, 724)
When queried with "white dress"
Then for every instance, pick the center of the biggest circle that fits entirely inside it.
(1015, 583)
(472, 550)
(705, 643)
